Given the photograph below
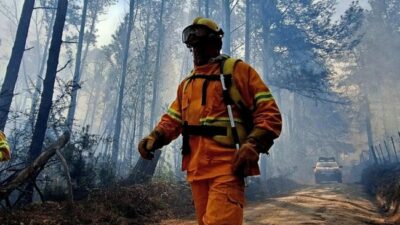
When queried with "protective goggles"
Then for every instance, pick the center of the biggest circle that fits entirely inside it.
(194, 34)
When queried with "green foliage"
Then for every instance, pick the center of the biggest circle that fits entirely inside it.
(55, 192)
(383, 181)
(299, 37)
(81, 160)
(106, 173)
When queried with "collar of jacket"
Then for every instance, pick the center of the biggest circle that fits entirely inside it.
(212, 61)
(218, 58)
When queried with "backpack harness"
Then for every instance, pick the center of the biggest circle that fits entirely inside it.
(231, 96)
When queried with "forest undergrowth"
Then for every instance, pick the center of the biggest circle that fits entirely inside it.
(135, 204)
(132, 204)
(383, 182)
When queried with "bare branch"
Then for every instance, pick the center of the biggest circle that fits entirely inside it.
(32, 170)
(10, 167)
(44, 7)
(67, 175)
(233, 6)
(66, 64)
(70, 42)
(237, 27)
(27, 49)
(237, 47)
(39, 192)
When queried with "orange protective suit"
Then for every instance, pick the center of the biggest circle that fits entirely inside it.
(219, 200)
(208, 164)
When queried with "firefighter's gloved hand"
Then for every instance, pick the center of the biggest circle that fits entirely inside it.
(262, 139)
(154, 141)
(245, 162)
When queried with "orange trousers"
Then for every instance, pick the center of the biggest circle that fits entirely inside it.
(219, 200)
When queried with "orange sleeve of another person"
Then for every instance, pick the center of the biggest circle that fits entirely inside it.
(171, 122)
(256, 95)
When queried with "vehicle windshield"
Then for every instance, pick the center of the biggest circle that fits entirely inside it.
(327, 164)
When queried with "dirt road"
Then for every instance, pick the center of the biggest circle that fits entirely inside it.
(328, 204)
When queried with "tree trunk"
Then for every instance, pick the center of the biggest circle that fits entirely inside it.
(144, 169)
(128, 140)
(199, 12)
(7, 90)
(227, 27)
(247, 33)
(47, 94)
(267, 45)
(91, 112)
(77, 75)
(132, 139)
(39, 79)
(91, 107)
(143, 75)
(117, 131)
(372, 154)
(92, 29)
(207, 8)
(156, 75)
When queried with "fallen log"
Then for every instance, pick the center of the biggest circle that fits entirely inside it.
(30, 172)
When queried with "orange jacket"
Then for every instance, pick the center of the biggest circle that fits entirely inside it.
(207, 158)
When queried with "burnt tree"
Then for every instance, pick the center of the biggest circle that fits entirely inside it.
(48, 86)
(7, 90)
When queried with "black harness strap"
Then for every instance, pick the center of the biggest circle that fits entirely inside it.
(203, 76)
(204, 92)
(185, 139)
(207, 79)
(199, 130)
(225, 93)
(205, 130)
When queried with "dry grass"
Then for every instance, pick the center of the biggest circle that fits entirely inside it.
(383, 181)
(139, 204)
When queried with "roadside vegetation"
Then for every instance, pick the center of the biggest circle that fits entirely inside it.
(383, 182)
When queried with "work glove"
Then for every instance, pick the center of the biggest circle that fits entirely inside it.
(155, 140)
(245, 162)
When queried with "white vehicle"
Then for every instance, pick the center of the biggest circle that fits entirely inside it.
(327, 169)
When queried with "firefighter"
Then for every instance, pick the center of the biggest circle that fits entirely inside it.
(5, 153)
(215, 114)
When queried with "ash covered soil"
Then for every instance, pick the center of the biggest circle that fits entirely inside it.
(324, 204)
